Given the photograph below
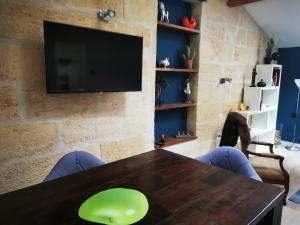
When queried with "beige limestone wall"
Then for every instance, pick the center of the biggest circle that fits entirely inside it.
(231, 44)
(36, 128)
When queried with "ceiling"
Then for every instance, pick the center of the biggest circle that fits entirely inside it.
(280, 19)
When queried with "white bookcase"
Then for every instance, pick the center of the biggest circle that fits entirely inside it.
(270, 73)
(262, 103)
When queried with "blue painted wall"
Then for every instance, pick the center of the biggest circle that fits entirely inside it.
(171, 44)
(290, 61)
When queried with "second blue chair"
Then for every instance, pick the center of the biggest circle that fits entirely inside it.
(73, 162)
(232, 159)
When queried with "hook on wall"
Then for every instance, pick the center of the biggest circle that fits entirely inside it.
(223, 80)
(106, 15)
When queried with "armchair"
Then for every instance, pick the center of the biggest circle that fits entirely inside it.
(269, 166)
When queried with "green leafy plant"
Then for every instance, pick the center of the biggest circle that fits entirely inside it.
(163, 83)
(269, 48)
(188, 54)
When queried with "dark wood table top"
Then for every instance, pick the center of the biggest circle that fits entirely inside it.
(180, 190)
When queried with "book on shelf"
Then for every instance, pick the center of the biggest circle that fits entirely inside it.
(276, 77)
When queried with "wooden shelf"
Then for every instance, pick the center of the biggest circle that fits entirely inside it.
(176, 70)
(174, 106)
(173, 141)
(174, 27)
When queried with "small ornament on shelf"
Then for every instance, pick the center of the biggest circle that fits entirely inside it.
(189, 23)
(188, 57)
(261, 83)
(270, 55)
(164, 14)
(160, 84)
(187, 90)
(254, 73)
(269, 50)
(242, 106)
(164, 63)
(183, 134)
(161, 140)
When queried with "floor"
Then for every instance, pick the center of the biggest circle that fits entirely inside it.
(291, 212)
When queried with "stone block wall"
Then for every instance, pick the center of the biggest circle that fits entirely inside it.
(231, 44)
(38, 128)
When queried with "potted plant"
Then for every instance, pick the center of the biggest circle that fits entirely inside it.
(160, 84)
(269, 50)
(188, 57)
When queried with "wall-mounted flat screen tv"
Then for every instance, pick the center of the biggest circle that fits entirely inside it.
(88, 60)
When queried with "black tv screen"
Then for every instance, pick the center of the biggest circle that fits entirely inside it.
(88, 60)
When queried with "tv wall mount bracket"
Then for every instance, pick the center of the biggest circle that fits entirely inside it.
(106, 15)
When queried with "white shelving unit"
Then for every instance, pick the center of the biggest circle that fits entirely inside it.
(262, 103)
(270, 73)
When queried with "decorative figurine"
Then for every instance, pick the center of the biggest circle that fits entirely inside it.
(189, 24)
(162, 138)
(160, 84)
(187, 90)
(253, 78)
(261, 83)
(164, 63)
(164, 15)
(183, 134)
(242, 106)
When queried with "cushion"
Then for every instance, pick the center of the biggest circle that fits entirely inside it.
(267, 168)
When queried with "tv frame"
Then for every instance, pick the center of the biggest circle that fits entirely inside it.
(88, 91)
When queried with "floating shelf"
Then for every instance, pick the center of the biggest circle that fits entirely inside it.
(176, 70)
(266, 88)
(173, 106)
(254, 112)
(255, 132)
(174, 27)
(173, 141)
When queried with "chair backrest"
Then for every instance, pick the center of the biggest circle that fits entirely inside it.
(73, 162)
(235, 126)
(232, 159)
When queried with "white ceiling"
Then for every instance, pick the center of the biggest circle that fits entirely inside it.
(280, 19)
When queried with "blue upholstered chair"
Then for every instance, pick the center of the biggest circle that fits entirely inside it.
(232, 159)
(73, 162)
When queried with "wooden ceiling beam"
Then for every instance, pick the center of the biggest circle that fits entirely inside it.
(234, 3)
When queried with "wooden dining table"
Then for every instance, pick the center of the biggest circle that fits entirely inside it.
(180, 190)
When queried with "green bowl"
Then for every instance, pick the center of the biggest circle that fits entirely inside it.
(116, 206)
